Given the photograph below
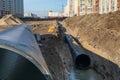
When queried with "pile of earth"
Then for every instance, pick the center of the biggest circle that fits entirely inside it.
(99, 34)
(10, 20)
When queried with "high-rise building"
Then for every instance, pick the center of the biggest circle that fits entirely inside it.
(66, 11)
(70, 7)
(14, 7)
(53, 14)
(118, 4)
(96, 6)
(106, 6)
(18, 7)
(82, 7)
(76, 7)
(0, 7)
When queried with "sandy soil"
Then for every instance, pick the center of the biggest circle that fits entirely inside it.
(99, 34)
(91, 34)
(10, 20)
(41, 27)
(54, 49)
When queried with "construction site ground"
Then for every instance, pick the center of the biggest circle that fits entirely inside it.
(98, 35)
(57, 53)
(54, 49)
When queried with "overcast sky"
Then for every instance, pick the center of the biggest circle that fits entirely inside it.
(41, 7)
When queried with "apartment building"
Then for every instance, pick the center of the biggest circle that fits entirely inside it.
(30, 15)
(0, 7)
(76, 7)
(70, 7)
(11, 7)
(95, 6)
(53, 14)
(18, 9)
(5, 7)
(66, 11)
(118, 4)
(82, 7)
(106, 6)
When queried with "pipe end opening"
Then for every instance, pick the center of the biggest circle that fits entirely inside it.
(83, 61)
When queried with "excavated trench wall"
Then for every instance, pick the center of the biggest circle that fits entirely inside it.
(100, 36)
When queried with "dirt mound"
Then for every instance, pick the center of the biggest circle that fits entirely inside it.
(10, 20)
(99, 34)
(100, 31)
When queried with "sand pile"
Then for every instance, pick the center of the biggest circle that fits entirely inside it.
(10, 20)
(100, 31)
(99, 34)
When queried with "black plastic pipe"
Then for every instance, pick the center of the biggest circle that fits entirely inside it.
(82, 61)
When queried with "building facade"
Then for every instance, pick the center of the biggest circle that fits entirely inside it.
(30, 15)
(96, 6)
(70, 7)
(118, 4)
(53, 14)
(106, 6)
(18, 8)
(82, 7)
(66, 11)
(76, 7)
(14, 7)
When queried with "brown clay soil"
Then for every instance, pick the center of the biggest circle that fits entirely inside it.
(99, 34)
(54, 49)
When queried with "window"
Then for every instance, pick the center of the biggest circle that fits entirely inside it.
(90, 3)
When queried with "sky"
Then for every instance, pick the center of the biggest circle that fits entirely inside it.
(41, 7)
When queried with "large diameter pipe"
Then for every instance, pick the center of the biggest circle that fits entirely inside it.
(82, 61)
(20, 56)
(15, 67)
